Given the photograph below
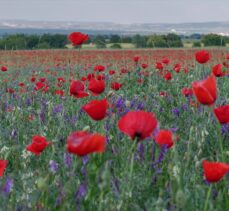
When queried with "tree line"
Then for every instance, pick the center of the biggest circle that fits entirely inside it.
(60, 41)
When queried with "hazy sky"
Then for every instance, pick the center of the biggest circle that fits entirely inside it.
(118, 11)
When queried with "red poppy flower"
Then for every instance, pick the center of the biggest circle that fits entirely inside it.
(99, 68)
(222, 114)
(217, 70)
(138, 124)
(214, 171)
(187, 92)
(60, 79)
(140, 81)
(78, 38)
(136, 59)
(42, 80)
(33, 79)
(39, 143)
(96, 86)
(83, 143)
(90, 76)
(206, 90)
(3, 69)
(168, 76)
(185, 70)
(96, 109)
(116, 86)
(21, 84)
(77, 89)
(124, 71)
(159, 66)
(164, 137)
(39, 85)
(100, 77)
(59, 92)
(111, 72)
(83, 78)
(202, 56)
(10, 90)
(165, 61)
(144, 66)
(177, 68)
(3, 164)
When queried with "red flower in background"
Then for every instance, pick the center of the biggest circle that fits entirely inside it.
(78, 38)
(144, 66)
(3, 164)
(39, 143)
(136, 58)
(187, 92)
(177, 68)
(39, 85)
(217, 70)
(159, 66)
(96, 86)
(214, 171)
(42, 80)
(165, 61)
(111, 72)
(90, 76)
(99, 68)
(116, 86)
(202, 56)
(83, 143)
(61, 80)
(205, 90)
(168, 76)
(33, 79)
(59, 92)
(101, 77)
(222, 114)
(164, 137)
(96, 109)
(3, 69)
(138, 124)
(77, 89)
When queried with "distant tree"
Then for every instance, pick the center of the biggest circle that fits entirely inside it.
(139, 41)
(43, 45)
(100, 41)
(196, 44)
(213, 40)
(115, 39)
(173, 41)
(126, 39)
(32, 41)
(157, 41)
(116, 46)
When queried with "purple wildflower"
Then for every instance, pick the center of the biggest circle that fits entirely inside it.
(8, 186)
(176, 112)
(81, 192)
(67, 160)
(57, 108)
(225, 129)
(53, 166)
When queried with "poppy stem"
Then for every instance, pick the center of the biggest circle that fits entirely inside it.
(132, 153)
(207, 198)
(220, 138)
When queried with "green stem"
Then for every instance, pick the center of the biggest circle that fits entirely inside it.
(207, 198)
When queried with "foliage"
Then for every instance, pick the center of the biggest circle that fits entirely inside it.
(213, 40)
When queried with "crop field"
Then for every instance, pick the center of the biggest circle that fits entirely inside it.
(114, 130)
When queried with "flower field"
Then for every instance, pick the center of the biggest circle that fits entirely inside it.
(114, 130)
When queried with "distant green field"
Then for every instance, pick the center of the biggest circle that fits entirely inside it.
(126, 46)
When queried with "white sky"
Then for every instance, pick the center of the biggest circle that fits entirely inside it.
(118, 11)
